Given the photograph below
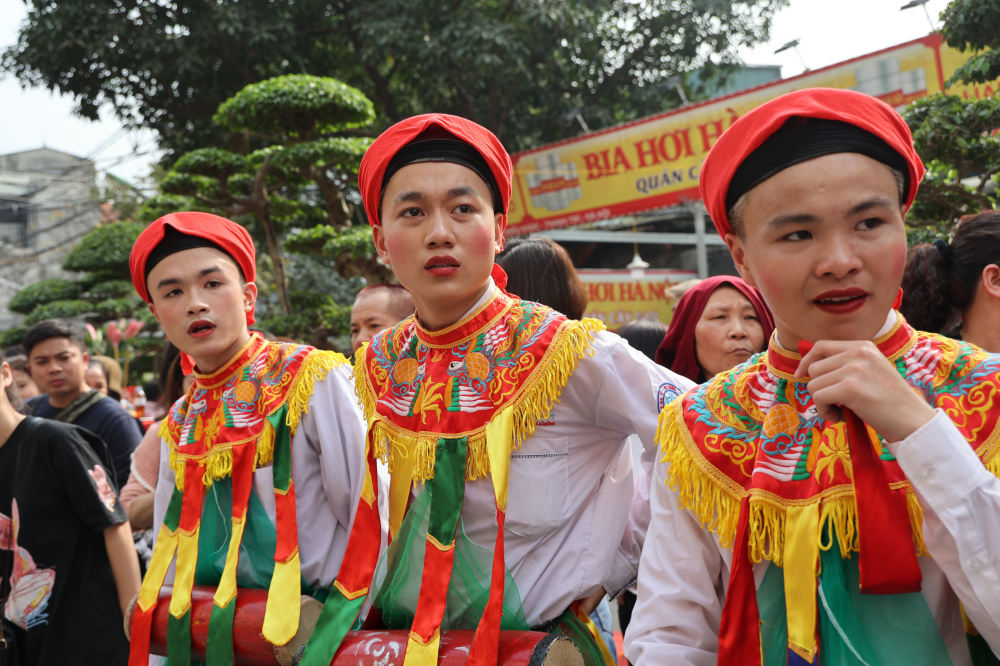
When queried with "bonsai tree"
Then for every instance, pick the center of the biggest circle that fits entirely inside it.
(306, 122)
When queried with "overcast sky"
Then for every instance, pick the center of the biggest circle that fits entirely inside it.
(830, 32)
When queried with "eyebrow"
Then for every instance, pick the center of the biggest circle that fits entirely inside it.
(874, 202)
(411, 195)
(202, 273)
(793, 218)
(461, 191)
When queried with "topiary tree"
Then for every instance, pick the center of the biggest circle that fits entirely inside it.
(352, 251)
(303, 119)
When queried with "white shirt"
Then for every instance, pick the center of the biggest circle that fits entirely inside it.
(571, 482)
(684, 573)
(328, 470)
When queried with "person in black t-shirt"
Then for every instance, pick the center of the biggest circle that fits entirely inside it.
(68, 568)
(59, 359)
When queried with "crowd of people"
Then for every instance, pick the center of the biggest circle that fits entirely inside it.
(800, 469)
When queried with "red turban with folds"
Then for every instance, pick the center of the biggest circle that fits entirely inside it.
(432, 126)
(230, 237)
(752, 130)
(678, 351)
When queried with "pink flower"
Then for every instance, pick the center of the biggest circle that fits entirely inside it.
(114, 334)
(91, 331)
(133, 329)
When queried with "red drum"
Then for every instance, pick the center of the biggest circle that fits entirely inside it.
(382, 647)
(517, 648)
(250, 648)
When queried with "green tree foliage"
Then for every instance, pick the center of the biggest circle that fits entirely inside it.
(105, 248)
(300, 116)
(955, 140)
(42, 292)
(974, 25)
(515, 66)
(352, 251)
(103, 293)
(955, 137)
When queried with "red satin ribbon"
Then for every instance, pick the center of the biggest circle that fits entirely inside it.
(887, 560)
(739, 629)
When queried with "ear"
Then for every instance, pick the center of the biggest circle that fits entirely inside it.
(499, 226)
(991, 280)
(152, 311)
(379, 236)
(6, 374)
(737, 248)
(249, 297)
(86, 358)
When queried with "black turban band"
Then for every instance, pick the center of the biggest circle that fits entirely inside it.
(801, 139)
(176, 241)
(445, 150)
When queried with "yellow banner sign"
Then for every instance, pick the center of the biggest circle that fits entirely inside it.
(655, 161)
(616, 298)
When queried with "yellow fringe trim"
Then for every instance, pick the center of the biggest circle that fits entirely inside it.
(534, 401)
(993, 465)
(219, 464)
(714, 499)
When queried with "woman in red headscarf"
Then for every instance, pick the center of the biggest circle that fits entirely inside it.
(505, 423)
(717, 324)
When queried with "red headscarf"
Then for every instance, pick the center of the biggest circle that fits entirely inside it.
(385, 147)
(231, 237)
(677, 351)
(750, 131)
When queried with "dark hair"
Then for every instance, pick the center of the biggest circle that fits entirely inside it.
(942, 278)
(53, 328)
(644, 335)
(94, 363)
(539, 269)
(18, 362)
(171, 376)
(400, 299)
(16, 350)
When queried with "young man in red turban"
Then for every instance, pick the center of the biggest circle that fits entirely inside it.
(836, 500)
(505, 424)
(262, 462)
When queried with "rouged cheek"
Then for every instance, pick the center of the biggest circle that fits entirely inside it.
(897, 257)
(397, 245)
(478, 239)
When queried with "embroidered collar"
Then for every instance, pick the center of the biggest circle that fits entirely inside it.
(230, 407)
(894, 343)
(477, 320)
(215, 379)
(416, 386)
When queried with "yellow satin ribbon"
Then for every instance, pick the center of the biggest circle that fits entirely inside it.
(801, 559)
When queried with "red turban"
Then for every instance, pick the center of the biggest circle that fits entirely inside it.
(228, 236)
(436, 126)
(677, 351)
(749, 132)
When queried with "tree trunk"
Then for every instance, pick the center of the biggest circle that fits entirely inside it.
(262, 206)
(338, 211)
(274, 251)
